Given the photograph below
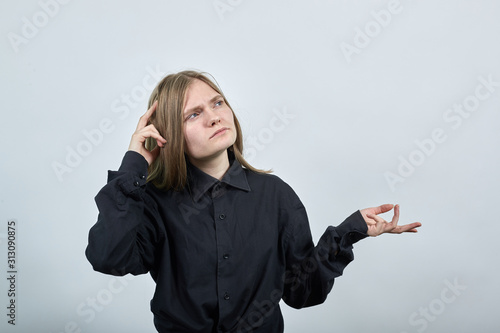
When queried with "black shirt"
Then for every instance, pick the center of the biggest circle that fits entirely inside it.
(222, 253)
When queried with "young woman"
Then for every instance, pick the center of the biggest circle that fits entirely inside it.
(224, 242)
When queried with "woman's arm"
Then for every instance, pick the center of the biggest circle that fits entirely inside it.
(128, 230)
(311, 270)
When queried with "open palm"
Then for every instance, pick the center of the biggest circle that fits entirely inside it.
(377, 225)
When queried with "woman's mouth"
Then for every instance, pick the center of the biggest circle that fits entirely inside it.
(219, 132)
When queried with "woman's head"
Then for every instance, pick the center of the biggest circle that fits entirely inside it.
(191, 108)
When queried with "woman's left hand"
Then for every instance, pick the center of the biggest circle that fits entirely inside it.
(377, 225)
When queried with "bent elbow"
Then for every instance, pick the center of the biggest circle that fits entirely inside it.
(108, 264)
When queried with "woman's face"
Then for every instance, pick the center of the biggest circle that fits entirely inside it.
(208, 123)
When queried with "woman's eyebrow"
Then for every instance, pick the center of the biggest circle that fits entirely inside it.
(194, 108)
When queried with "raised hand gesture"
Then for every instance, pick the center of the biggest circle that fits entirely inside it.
(144, 131)
(378, 226)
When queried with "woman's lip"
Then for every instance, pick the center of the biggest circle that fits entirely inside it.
(219, 131)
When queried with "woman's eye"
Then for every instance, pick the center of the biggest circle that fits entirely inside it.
(219, 103)
(193, 115)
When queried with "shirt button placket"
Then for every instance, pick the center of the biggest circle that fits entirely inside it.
(224, 245)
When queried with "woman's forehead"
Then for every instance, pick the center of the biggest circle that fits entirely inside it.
(199, 92)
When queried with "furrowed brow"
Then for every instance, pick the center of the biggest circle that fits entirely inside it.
(198, 107)
(216, 97)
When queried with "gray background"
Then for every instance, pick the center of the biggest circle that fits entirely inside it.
(354, 117)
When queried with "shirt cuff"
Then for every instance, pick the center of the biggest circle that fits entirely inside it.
(353, 229)
(132, 174)
(134, 162)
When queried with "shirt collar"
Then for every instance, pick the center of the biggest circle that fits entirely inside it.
(199, 182)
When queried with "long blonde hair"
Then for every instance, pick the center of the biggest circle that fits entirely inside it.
(169, 170)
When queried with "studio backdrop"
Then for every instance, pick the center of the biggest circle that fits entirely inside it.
(352, 103)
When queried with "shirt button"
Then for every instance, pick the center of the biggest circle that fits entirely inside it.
(143, 177)
(226, 296)
(136, 183)
(222, 216)
(225, 256)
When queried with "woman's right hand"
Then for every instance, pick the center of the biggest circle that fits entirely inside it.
(144, 131)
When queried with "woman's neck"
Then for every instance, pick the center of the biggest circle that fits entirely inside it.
(215, 166)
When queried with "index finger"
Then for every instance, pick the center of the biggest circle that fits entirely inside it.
(143, 121)
(395, 218)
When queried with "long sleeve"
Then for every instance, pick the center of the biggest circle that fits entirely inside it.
(128, 228)
(311, 270)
